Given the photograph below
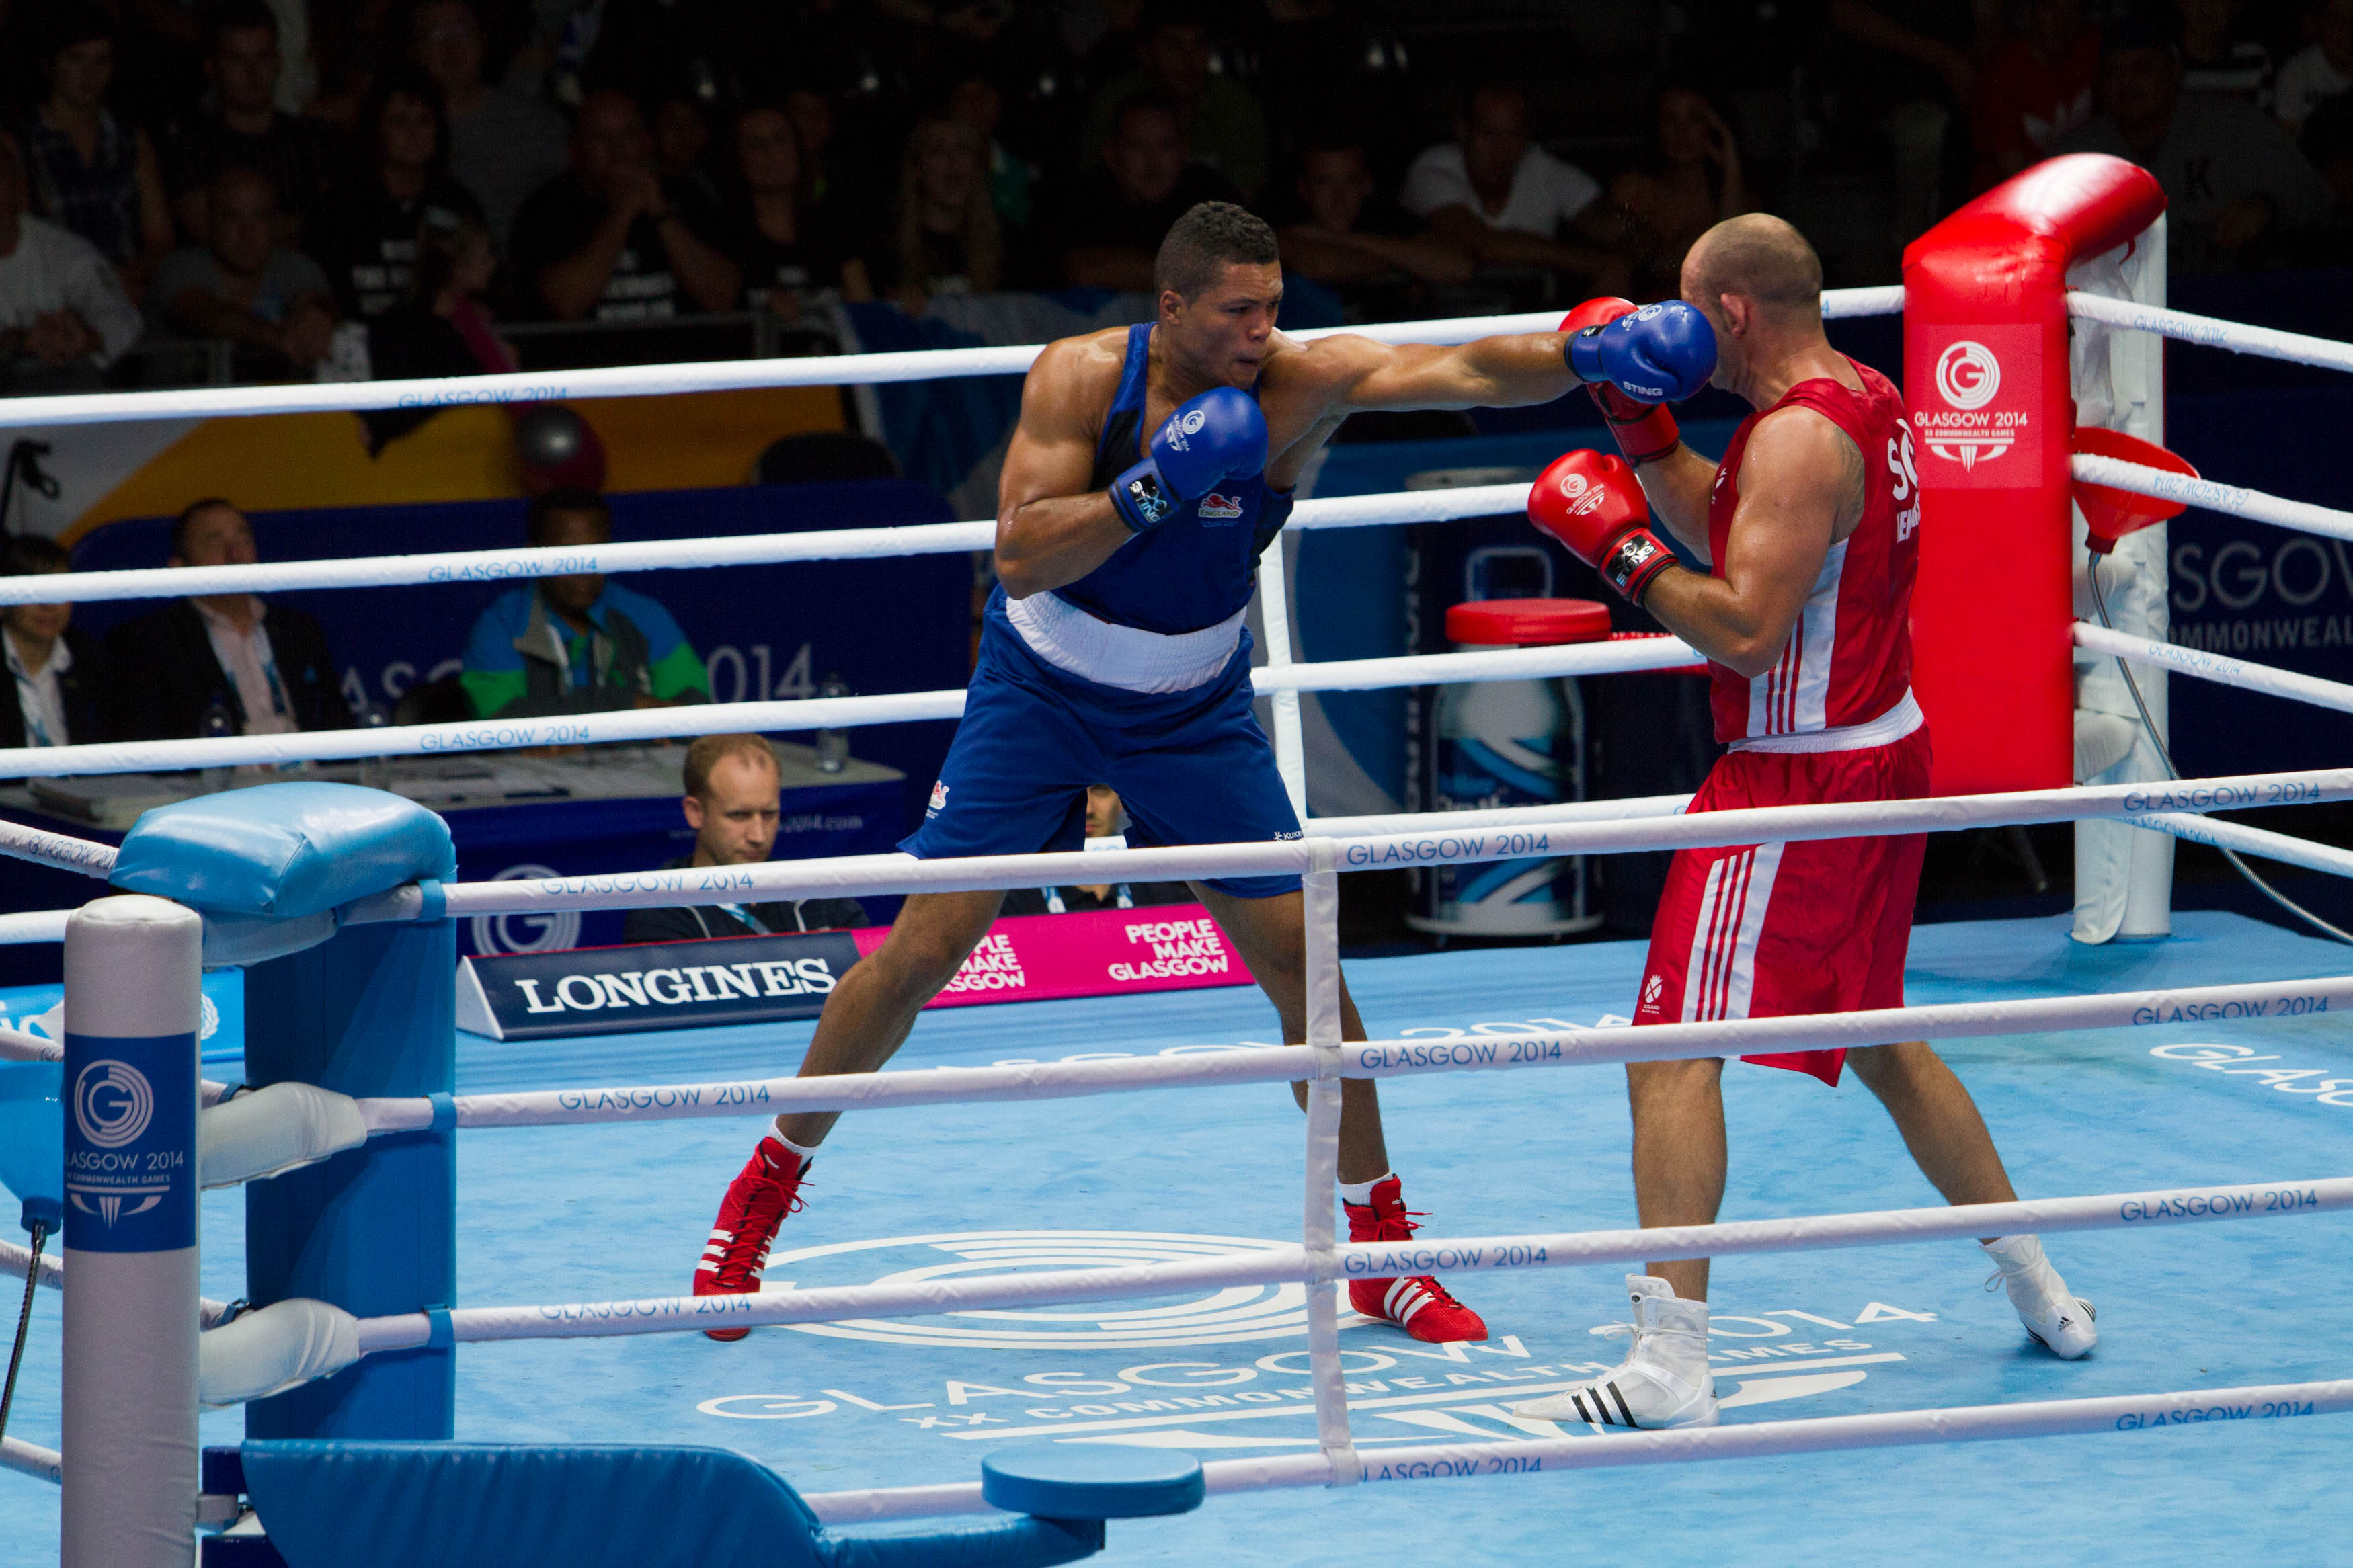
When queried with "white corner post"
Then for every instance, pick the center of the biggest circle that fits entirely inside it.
(1274, 619)
(1322, 886)
(132, 966)
(2124, 875)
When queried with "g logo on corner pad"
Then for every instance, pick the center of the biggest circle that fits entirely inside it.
(1968, 374)
(112, 1103)
(1194, 1316)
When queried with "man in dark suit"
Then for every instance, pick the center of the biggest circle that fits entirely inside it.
(223, 662)
(732, 792)
(57, 686)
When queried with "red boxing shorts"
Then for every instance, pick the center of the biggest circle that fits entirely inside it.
(1766, 930)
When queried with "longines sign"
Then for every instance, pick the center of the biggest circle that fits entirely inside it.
(654, 985)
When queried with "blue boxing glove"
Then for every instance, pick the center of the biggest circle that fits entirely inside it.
(1218, 434)
(1659, 353)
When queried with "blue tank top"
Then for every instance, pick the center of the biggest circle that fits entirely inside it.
(1195, 569)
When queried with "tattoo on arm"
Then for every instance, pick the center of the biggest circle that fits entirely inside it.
(1851, 492)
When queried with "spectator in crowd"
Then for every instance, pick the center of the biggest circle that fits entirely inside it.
(1365, 249)
(2233, 183)
(577, 644)
(1908, 71)
(2218, 56)
(89, 170)
(945, 236)
(2327, 144)
(1012, 181)
(1112, 221)
(60, 672)
(606, 239)
(1106, 818)
(276, 304)
(221, 663)
(365, 231)
(2320, 71)
(502, 145)
(245, 129)
(1222, 122)
(443, 326)
(63, 314)
(733, 791)
(1688, 181)
(811, 114)
(682, 134)
(2036, 91)
(1509, 203)
(785, 243)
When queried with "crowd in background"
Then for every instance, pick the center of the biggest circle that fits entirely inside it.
(339, 188)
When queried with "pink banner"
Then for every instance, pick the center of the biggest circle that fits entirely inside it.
(1094, 952)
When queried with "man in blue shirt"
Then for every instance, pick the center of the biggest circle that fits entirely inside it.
(577, 644)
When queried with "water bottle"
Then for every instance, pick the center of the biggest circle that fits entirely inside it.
(375, 771)
(215, 725)
(1506, 743)
(832, 745)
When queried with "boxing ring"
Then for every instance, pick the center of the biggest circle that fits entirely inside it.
(284, 875)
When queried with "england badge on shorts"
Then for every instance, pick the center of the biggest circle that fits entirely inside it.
(1215, 508)
(939, 798)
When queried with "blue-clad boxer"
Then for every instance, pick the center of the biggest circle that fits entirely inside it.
(1114, 653)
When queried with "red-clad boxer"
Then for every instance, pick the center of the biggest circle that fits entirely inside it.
(1809, 529)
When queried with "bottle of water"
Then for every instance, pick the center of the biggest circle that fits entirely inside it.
(215, 725)
(832, 745)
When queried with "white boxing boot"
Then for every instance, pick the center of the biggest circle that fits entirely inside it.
(1664, 1379)
(2062, 1321)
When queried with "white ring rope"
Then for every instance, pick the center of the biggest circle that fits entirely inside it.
(60, 850)
(2246, 840)
(31, 1459)
(1620, 656)
(2210, 332)
(1295, 1265)
(2216, 666)
(1439, 844)
(522, 565)
(1441, 1461)
(721, 375)
(1204, 1065)
(2142, 479)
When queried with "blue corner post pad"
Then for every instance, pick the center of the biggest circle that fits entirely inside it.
(1091, 1480)
(283, 850)
(33, 1139)
(363, 1504)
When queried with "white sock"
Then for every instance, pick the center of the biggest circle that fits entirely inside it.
(806, 1154)
(1361, 1192)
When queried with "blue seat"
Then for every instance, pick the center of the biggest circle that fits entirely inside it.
(491, 1505)
(1091, 1480)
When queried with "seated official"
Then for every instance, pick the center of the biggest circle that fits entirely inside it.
(263, 667)
(578, 644)
(55, 697)
(1106, 818)
(732, 788)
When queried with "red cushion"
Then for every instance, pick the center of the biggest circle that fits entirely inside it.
(1528, 622)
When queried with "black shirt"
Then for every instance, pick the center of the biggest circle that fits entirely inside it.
(695, 922)
(813, 260)
(560, 217)
(367, 238)
(1095, 214)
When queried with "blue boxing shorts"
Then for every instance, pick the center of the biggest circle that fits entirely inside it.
(1192, 767)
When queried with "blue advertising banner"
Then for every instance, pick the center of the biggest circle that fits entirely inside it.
(131, 1143)
(652, 986)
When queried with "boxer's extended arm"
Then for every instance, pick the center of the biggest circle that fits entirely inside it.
(1353, 372)
(1800, 491)
(1051, 529)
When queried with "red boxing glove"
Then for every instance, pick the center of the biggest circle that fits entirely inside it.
(1645, 431)
(1592, 503)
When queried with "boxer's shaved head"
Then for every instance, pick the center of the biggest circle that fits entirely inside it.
(1759, 256)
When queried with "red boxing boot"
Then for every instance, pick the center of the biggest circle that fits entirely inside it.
(764, 1192)
(1419, 1305)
